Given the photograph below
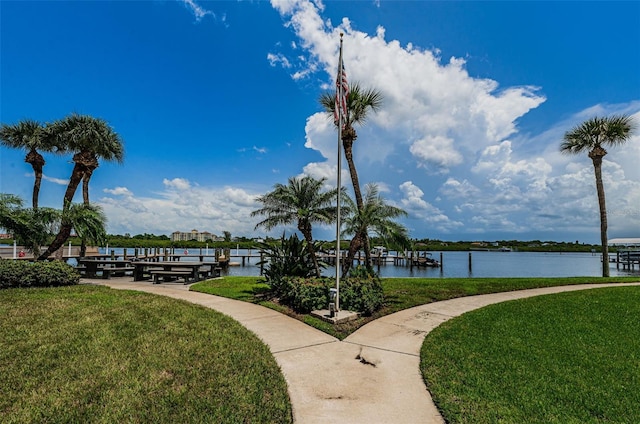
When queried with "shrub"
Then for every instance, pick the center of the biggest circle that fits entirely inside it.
(363, 295)
(306, 294)
(303, 295)
(288, 258)
(15, 274)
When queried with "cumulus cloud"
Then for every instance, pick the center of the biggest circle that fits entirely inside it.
(181, 206)
(432, 109)
(419, 209)
(177, 183)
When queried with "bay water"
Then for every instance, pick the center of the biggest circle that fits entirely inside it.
(454, 264)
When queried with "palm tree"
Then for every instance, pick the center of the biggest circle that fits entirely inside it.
(359, 103)
(89, 222)
(376, 216)
(31, 228)
(91, 139)
(28, 135)
(591, 136)
(304, 201)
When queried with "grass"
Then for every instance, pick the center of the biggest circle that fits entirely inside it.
(95, 355)
(565, 358)
(400, 293)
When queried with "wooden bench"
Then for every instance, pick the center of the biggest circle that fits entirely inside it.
(158, 274)
(107, 271)
(209, 272)
(82, 270)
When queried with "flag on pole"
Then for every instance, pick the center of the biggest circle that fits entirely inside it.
(340, 116)
(342, 91)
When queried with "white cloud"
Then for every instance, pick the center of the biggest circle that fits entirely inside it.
(432, 110)
(198, 11)
(177, 183)
(418, 208)
(59, 181)
(275, 59)
(118, 191)
(181, 206)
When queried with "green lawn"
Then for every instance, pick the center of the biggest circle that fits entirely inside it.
(90, 354)
(400, 293)
(566, 358)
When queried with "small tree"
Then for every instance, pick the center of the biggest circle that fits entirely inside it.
(377, 217)
(31, 228)
(303, 201)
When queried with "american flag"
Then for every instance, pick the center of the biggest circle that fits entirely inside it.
(342, 91)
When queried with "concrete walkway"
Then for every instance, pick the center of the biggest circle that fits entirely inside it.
(372, 376)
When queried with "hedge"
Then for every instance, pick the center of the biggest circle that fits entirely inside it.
(15, 273)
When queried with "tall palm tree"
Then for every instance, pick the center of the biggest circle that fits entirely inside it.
(360, 102)
(28, 134)
(592, 136)
(91, 139)
(375, 216)
(303, 201)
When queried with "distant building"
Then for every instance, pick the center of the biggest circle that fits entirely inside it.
(192, 235)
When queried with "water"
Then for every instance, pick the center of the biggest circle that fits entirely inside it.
(456, 264)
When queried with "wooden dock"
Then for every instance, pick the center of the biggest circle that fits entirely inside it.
(628, 259)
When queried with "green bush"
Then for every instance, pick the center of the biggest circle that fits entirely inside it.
(306, 294)
(303, 295)
(15, 274)
(288, 258)
(363, 295)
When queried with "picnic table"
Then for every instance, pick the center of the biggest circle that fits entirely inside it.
(90, 267)
(190, 271)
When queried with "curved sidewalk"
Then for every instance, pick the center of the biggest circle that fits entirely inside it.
(373, 376)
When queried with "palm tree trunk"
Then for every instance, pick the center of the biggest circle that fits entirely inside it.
(306, 232)
(58, 242)
(367, 252)
(36, 187)
(596, 157)
(347, 143)
(37, 162)
(65, 228)
(355, 245)
(74, 182)
(85, 197)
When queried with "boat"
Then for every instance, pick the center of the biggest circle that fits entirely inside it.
(379, 254)
(426, 261)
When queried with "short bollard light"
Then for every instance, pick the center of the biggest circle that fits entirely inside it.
(333, 293)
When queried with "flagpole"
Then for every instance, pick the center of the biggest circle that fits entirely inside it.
(339, 93)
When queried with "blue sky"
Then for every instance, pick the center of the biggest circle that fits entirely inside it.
(217, 101)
